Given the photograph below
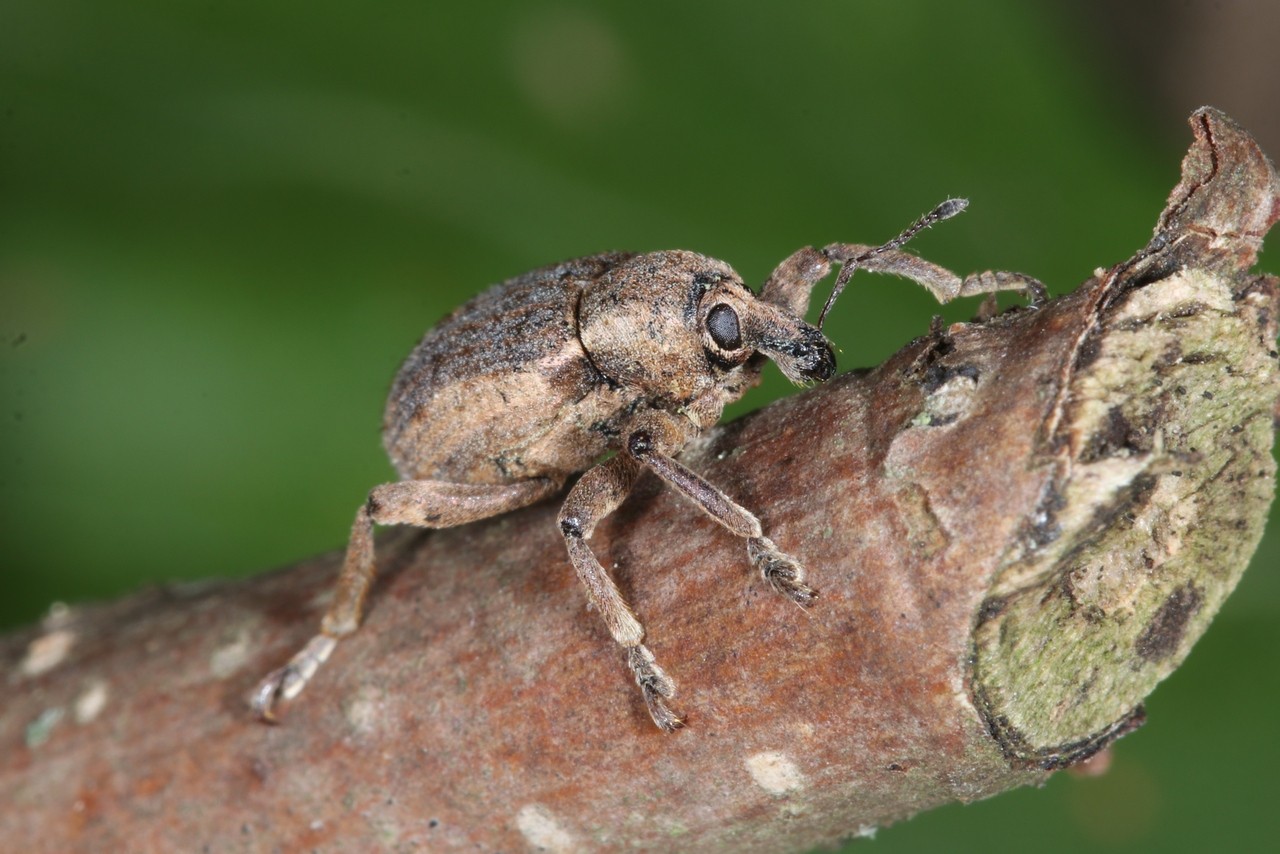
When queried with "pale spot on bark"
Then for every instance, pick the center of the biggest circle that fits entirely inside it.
(364, 710)
(230, 657)
(774, 772)
(91, 701)
(542, 831)
(47, 652)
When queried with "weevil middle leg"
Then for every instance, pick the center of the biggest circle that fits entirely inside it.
(651, 443)
(597, 494)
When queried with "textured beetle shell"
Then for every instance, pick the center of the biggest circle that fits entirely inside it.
(493, 391)
(540, 375)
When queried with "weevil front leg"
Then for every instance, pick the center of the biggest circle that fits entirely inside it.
(653, 444)
(422, 503)
(791, 283)
(941, 282)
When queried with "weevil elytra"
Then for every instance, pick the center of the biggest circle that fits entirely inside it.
(541, 376)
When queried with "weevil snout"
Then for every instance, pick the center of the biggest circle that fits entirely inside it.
(800, 351)
(806, 357)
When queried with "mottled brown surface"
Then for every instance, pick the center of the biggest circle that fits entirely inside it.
(484, 707)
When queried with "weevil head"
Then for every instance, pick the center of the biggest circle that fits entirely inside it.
(677, 324)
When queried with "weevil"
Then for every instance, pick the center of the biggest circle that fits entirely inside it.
(544, 375)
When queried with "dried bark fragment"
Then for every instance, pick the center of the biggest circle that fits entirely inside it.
(1019, 526)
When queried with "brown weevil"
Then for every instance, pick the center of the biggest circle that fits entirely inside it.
(540, 377)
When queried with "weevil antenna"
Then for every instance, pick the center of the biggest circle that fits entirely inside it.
(946, 210)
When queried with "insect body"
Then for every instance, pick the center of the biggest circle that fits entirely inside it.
(537, 378)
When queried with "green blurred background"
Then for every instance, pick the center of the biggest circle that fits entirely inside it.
(223, 224)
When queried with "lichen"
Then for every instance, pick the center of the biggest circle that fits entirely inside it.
(1163, 497)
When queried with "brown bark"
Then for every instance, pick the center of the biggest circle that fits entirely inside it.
(1018, 527)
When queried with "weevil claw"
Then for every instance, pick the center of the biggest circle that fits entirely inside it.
(265, 696)
(783, 572)
(656, 686)
(288, 682)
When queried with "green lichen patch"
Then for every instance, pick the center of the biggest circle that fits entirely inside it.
(1162, 488)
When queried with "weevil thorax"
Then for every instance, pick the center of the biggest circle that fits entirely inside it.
(641, 323)
(677, 325)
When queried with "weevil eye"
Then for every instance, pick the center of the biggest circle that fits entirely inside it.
(722, 325)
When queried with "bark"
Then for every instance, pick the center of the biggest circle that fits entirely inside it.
(1018, 527)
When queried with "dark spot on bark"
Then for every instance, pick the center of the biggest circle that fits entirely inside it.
(1093, 614)
(896, 767)
(942, 344)
(1126, 504)
(943, 420)
(1045, 529)
(1207, 395)
(1114, 437)
(1187, 309)
(992, 607)
(1163, 635)
(1161, 268)
(1170, 356)
(936, 376)
(1121, 437)
(1089, 351)
(1133, 324)
(934, 346)
(1198, 358)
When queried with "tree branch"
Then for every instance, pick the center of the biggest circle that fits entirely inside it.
(1018, 526)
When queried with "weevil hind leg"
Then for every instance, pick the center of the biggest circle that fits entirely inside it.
(422, 503)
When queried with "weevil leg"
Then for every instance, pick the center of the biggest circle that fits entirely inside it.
(422, 503)
(791, 283)
(786, 574)
(944, 284)
(597, 494)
